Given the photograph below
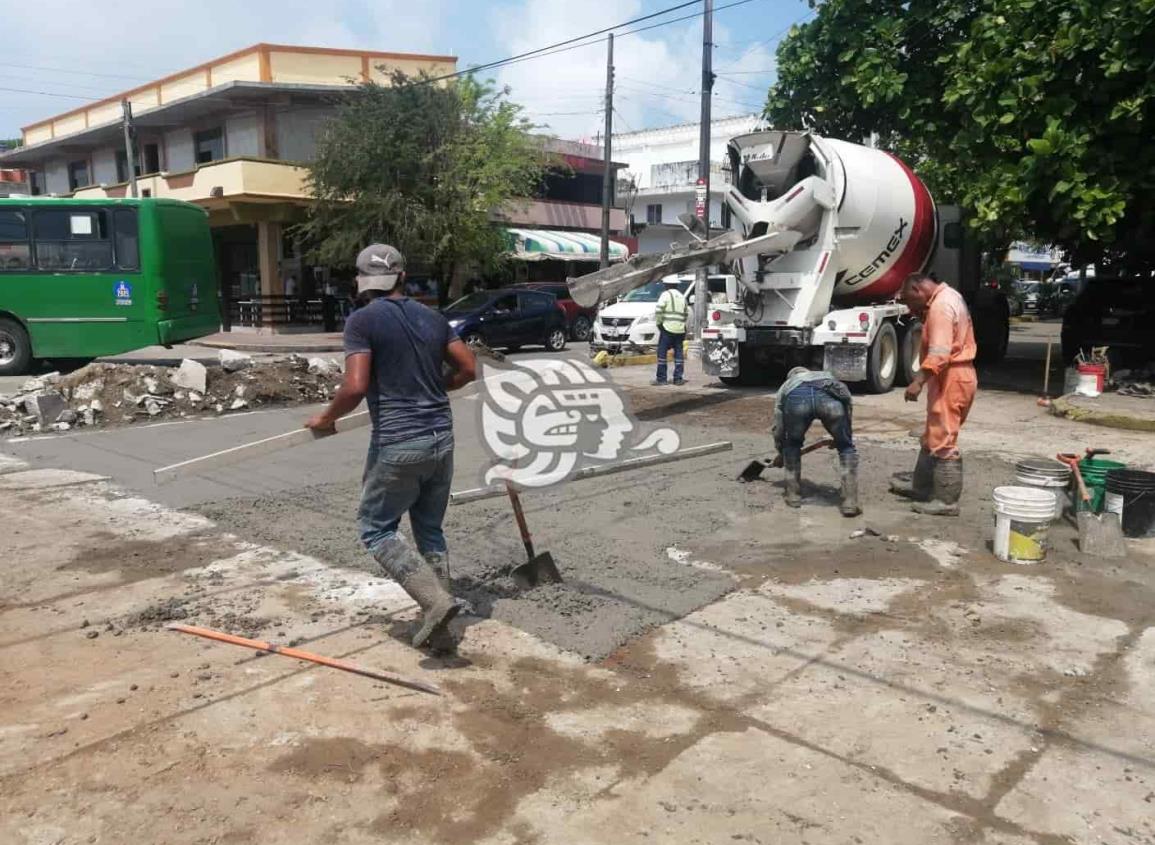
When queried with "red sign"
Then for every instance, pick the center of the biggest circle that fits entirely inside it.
(700, 199)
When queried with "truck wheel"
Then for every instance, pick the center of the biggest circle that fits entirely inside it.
(15, 349)
(883, 359)
(909, 344)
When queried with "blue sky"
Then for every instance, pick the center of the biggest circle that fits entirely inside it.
(67, 50)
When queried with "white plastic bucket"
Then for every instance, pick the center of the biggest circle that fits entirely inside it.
(1022, 517)
(1056, 488)
(1088, 385)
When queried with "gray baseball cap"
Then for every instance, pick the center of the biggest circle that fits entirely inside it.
(379, 266)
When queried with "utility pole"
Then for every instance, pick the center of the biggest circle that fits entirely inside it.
(129, 147)
(702, 197)
(608, 176)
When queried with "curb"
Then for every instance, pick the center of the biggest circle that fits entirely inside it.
(1062, 408)
(267, 347)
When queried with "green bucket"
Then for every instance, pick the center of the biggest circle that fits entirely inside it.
(1094, 472)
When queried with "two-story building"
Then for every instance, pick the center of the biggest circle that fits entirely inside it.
(663, 170)
(234, 135)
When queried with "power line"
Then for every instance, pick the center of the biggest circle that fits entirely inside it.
(75, 72)
(49, 94)
(540, 50)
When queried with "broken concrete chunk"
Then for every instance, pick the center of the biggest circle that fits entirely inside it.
(152, 406)
(85, 392)
(46, 407)
(34, 385)
(96, 406)
(192, 375)
(68, 416)
(238, 404)
(323, 366)
(61, 426)
(231, 360)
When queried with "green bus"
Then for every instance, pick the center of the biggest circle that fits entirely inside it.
(85, 278)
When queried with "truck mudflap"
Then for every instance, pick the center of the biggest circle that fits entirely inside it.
(846, 361)
(720, 357)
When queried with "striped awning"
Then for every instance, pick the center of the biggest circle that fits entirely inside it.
(541, 244)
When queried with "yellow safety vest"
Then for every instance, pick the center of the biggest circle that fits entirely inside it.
(671, 312)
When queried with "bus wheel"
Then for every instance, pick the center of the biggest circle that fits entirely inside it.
(15, 349)
(882, 360)
(909, 346)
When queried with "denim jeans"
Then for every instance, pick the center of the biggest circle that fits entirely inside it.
(412, 477)
(809, 402)
(666, 342)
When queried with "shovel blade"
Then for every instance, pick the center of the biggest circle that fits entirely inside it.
(1101, 534)
(752, 472)
(540, 569)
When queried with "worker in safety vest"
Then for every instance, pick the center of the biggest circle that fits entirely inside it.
(947, 371)
(670, 316)
(804, 397)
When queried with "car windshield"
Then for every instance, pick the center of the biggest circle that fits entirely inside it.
(651, 292)
(469, 303)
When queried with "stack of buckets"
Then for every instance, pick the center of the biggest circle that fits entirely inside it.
(1024, 512)
(1131, 494)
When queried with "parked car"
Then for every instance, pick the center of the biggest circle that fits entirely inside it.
(509, 318)
(579, 320)
(629, 322)
(1116, 313)
(1027, 295)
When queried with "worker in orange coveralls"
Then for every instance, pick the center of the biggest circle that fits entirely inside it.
(948, 372)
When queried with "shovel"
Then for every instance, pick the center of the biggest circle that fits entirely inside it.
(753, 470)
(538, 568)
(1100, 534)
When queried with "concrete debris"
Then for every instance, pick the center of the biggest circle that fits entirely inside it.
(323, 366)
(232, 361)
(146, 392)
(191, 375)
(35, 385)
(45, 406)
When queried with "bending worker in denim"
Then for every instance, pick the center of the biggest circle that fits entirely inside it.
(806, 396)
(394, 352)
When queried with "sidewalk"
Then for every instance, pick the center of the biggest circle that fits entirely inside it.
(305, 342)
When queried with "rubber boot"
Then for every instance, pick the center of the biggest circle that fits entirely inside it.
(442, 641)
(848, 467)
(439, 607)
(915, 485)
(948, 482)
(793, 467)
(420, 581)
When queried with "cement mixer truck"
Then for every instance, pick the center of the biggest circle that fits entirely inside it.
(824, 233)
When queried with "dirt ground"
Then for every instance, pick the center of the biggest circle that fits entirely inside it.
(717, 668)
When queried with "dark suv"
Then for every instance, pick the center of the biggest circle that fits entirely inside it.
(509, 319)
(1112, 312)
(579, 320)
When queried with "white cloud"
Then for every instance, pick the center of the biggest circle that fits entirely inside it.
(657, 73)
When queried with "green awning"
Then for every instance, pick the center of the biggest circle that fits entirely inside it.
(542, 244)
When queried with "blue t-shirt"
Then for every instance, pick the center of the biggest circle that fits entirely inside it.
(407, 342)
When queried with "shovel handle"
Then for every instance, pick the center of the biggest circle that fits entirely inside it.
(821, 444)
(519, 515)
(1073, 462)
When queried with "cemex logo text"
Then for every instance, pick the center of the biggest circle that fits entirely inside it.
(545, 418)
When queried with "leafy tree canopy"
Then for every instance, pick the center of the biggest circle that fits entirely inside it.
(421, 165)
(1035, 115)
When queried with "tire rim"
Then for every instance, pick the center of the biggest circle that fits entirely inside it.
(888, 357)
(7, 348)
(556, 339)
(581, 330)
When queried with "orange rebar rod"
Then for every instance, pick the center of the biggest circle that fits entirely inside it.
(286, 651)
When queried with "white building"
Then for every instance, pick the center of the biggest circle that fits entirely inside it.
(663, 169)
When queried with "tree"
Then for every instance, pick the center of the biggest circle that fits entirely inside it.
(420, 165)
(1034, 115)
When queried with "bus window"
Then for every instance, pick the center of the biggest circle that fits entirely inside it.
(72, 239)
(14, 251)
(127, 237)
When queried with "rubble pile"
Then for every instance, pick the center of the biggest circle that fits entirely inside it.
(122, 394)
(1136, 382)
